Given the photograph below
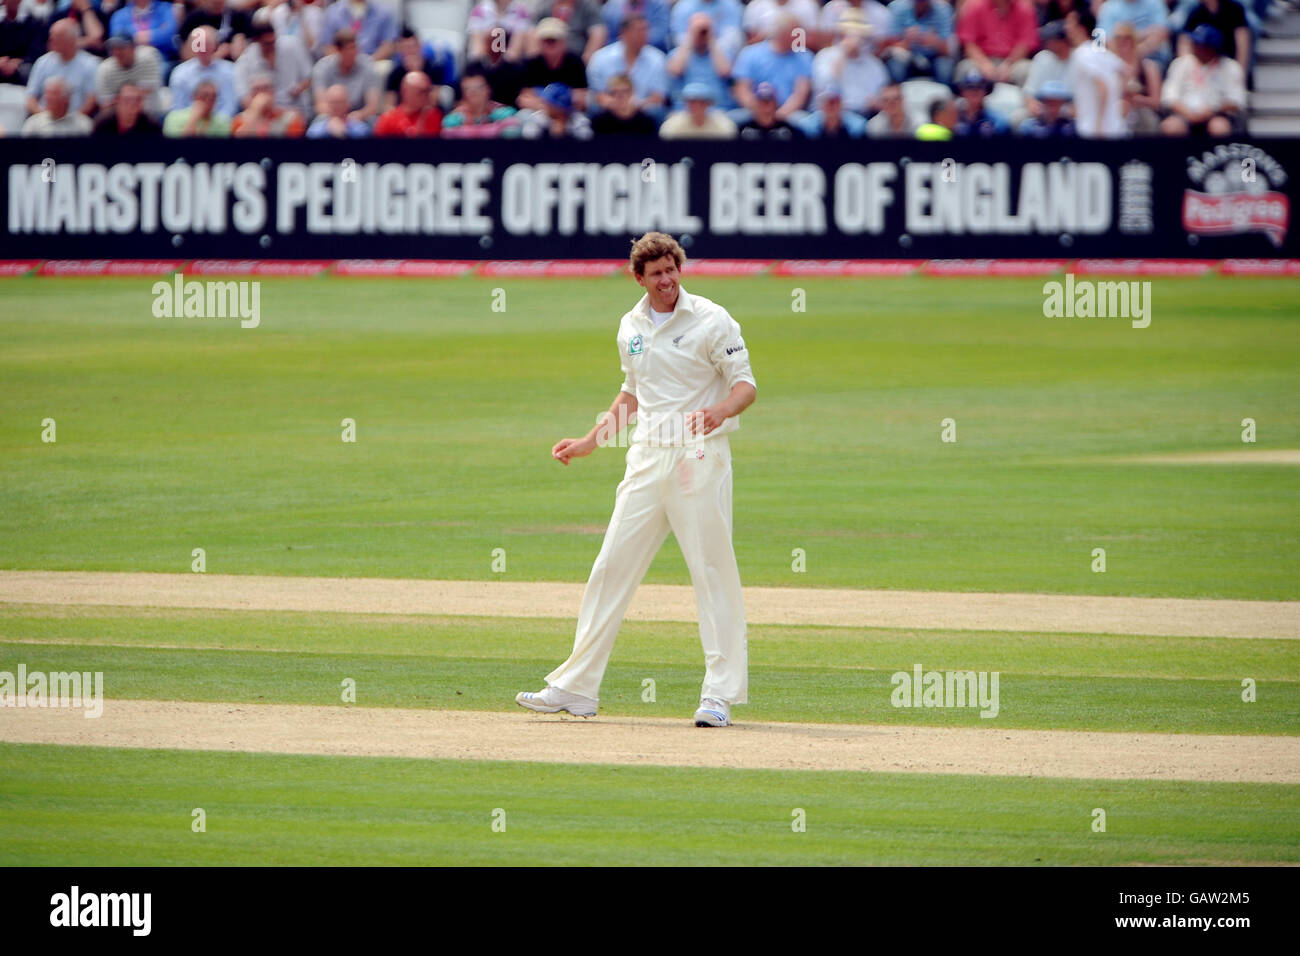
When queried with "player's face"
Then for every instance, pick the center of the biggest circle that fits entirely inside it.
(660, 280)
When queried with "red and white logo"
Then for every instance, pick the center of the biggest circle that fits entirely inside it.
(1237, 192)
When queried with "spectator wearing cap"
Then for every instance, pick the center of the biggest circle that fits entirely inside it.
(777, 63)
(1142, 82)
(765, 121)
(830, 120)
(22, 40)
(849, 67)
(621, 117)
(876, 15)
(557, 119)
(584, 31)
(58, 119)
(288, 62)
(1096, 78)
(149, 23)
(1148, 16)
(264, 118)
(414, 115)
(726, 21)
(657, 14)
(1052, 120)
(76, 68)
(1229, 18)
(204, 67)
(233, 28)
(411, 56)
(477, 115)
(632, 55)
(973, 120)
(997, 37)
(701, 59)
(371, 23)
(303, 19)
(126, 117)
(348, 67)
(925, 40)
(698, 120)
(128, 64)
(1049, 65)
(200, 118)
(556, 63)
(335, 120)
(892, 121)
(1204, 92)
(943, 121)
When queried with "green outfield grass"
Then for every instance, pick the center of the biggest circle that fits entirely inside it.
(74, 806)
(179, 434)
(840, 675)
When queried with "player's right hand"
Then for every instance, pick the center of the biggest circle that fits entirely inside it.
(567, 448)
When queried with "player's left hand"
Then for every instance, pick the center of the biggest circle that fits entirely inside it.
(705, 420)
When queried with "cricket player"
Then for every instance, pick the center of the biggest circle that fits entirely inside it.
(686, 376)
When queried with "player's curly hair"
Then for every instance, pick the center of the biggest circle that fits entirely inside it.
(652, 246)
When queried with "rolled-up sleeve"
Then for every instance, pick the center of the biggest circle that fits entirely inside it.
(728, 353)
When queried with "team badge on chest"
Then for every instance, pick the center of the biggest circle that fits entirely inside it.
(634, 346)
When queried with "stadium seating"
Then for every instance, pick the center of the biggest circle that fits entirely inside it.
(13, 108)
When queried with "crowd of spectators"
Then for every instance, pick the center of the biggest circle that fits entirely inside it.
(777, 70)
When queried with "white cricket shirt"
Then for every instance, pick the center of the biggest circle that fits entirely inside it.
(689, 362)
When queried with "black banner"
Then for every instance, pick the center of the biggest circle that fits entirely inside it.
(435, 199)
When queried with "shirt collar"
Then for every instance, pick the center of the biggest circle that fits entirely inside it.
(685, 303)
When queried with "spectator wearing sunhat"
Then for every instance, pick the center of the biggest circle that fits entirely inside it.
(554, 64)
(766, 123)
(830, 120)
(973, 120)
(1053, 119)
(849, 67)
(556, 119)
(1204, 92)
(699, 120)
(926, 40)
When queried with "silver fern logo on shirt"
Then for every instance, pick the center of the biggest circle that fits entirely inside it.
(634, 346)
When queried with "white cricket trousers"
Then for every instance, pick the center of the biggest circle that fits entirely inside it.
(686, 489)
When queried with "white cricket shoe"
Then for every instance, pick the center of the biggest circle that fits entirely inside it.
(555, 699)
(713, 713)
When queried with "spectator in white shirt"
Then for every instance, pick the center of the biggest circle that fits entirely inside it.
(849, 66)
(1204, 92)
(1096, 81)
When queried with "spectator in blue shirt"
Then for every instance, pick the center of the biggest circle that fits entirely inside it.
(726, 16)
(831, 120)
(149, 23)
(655, 12)
(373, 24)
(700, 60)
(204, 67)
(76, 68)
(335, 122)
(632, 55)
(776, 62)
(926, 43)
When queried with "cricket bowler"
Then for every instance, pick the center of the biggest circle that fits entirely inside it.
(686, 376)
